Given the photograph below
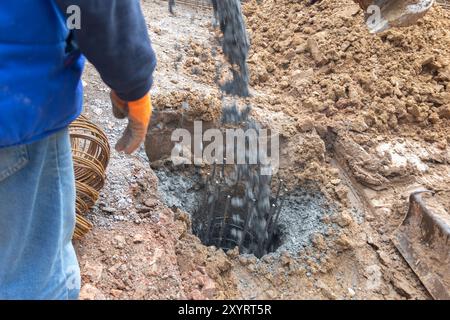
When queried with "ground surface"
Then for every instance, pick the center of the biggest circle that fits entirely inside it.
(354, 110)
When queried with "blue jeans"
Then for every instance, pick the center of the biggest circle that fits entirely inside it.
(37, 219)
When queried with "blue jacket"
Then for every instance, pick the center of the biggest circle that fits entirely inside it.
(40, 89)
(41, 63)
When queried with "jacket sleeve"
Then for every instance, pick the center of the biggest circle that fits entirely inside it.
(114, 38)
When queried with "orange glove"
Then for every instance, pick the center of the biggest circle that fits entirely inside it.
(139, 113)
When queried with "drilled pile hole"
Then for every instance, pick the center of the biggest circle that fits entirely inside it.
(301, 217)
(224, 220)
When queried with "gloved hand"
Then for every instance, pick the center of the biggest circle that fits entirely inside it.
(139, 113)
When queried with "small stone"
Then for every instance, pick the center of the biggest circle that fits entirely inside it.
(119, 241)
(335, 182)
(116, 293)
(252, 260)
(433, 117)
(341, 192)
(93, 271)
(243, 260)
(138, 238)
(233, 253)
(318, 241)
(344, 219)
(285, 259)
(284, 84)
(209, 288)
(271, 294)
(402, 287)
(325, 219)
(427, 60)
(139, 294)
(142, 209)
(372, 243)
(373, 274)
(383, 212)
(329, 232)
(89, 292)
(444, 112)
(305, 125)
(359, 125)
(351, 292)
(197, 295)
(109, 210)
(302, 76)
(182, 216)
(316, 52)
(326, 291)
(344, 242)
(384, 258)
(196, 70)
(151, 203)
(314, 104)
(267, 259)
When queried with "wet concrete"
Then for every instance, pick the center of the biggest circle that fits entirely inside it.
(235, 45)
(302, 214)
(302, 217)
(180, 190)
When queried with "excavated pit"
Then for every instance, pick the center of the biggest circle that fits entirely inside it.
(223, 225)
(301, 217)
(238, 210)
(235, 205)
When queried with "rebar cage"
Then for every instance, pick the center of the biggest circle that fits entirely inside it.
(90, 152)
(233, 215)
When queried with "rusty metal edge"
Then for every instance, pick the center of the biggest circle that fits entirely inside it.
(356, 190)
(423, 271)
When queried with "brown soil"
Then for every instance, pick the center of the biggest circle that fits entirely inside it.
(364, 118)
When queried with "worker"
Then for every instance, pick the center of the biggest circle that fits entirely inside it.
(41, 62)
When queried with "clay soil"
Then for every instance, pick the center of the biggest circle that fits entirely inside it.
(364, 120)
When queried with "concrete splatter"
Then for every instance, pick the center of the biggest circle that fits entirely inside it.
(235, 45)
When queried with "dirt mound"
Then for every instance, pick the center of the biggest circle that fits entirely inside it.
(323, 57)
(194, 105)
